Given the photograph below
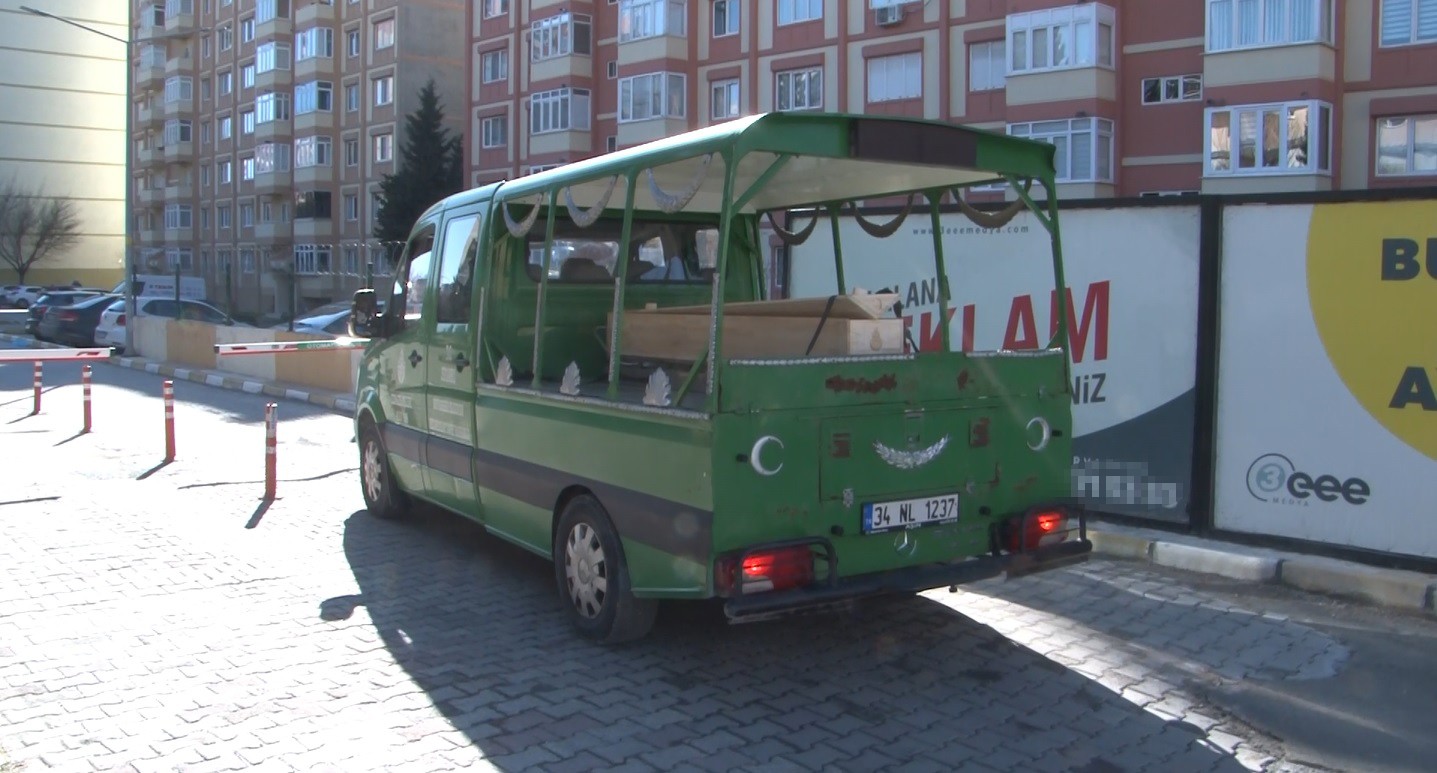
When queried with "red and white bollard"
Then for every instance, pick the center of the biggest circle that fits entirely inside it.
(169, 393)
(270, 449)
(39, 382)
(85, 383)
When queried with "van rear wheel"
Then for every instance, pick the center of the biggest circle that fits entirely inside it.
(382, 495)
(593, 577)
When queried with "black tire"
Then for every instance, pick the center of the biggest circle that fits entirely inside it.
(382, 495)
(593, 576)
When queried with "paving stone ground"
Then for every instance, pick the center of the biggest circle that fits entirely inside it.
(162, 619)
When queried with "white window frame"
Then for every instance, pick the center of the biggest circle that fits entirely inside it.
(353, 43)
(1407, 23)
(383, 90)
(1172, 88)
(271, 56)
(351, 207)
(1219, 139)
(1234, 25)
(559, 35)
(271, 157)
(179, 88)
(384, 34)
(559, 110)
(640, 19)
(1408, 124)
(269, 10)
(494, 131)
(1066, 38)
(725, 99)
(493, 8)
(271, 106)
(314, 97)
(494, 66)
(988, 65)
(314, 43)
(799, 11)
(383, 147)
(179, 217)
(351, 151)
(727, 18)
(662, 86)
(783, 83)
(894, 77)
(351, 98)
(1062, 133)
(316, 151)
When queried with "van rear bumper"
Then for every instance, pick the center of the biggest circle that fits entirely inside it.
(908, 579)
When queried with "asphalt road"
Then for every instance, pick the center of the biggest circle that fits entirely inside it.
(162, 616)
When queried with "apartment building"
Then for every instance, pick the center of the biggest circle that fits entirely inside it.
(261, 139)
(1141, 97)
(62, 97)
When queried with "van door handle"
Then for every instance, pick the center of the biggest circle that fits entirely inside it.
(460, 362)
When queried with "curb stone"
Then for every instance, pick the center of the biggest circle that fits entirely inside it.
(1392, 588)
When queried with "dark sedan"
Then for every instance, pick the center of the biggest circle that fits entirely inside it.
(75, 324)
(53, 298)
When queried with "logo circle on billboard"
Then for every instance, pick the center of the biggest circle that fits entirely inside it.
(1268, 474)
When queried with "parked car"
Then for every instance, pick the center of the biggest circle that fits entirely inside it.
(49, 299)
(21, 296)
(110, 331)
(331, 319)
(74, 325)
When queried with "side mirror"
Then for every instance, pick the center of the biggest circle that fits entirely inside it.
(364, 317)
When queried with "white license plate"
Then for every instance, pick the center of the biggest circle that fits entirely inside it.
(909, 513)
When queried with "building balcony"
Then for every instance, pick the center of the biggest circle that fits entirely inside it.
(321, 285)
(1095, 83)
(315, 122)
(274, 80)
(147, 116)
(274, 232)
(150, 76)
(150, 236)
(179, 152)
(180, 108)
(272, 183)
(149, 197)
(179, 193)
(1308, 61)
(273, 28)
(179, 65)
(639, 132)
(562, 67)
(312, 229)
(561, 142)
(272, 131)
(307, 14)
(150, 156)
(654, 49)
(180, 22)
(175, 237)
(307, 177)
(316, 67)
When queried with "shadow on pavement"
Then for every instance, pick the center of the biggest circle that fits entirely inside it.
(28, 501)
(476, 623)
(320, 476)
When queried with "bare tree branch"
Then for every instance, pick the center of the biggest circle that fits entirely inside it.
(34, 228)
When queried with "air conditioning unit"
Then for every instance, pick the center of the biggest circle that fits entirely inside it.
(888, 15)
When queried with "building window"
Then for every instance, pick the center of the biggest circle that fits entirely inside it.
(247, 171)
(247, 29)
(799, 89)
(178, 131)
(247, 261)
(222, 216)
(314, 96)
(247, 75)
(723, 100)
(1085, 146)
(225, 82)
(351, 43)
(1275, 139)
(791, 11)
(383, 148)
(987, 65)
(1061, 38)
(1407, 145)
(1234, 24)
(383, 90)
(351, 152)
(494, 65)
(559, 35)
(1406, 22)
(271, 56)
(269, 10)
(655, 95)
(383, 34)
(895, 77)
(271, 157)
(178, 216)
(559, 110)
(247, 122)
(726, 18)
(226, 34)
(313, 151)
(179, 89)
(314, 43)
(271, 106)
(351, 207)
(494, 131)
(225, 172)
(1173, 88)
(311, 258)
(640, 19)
(494, 8)
(351, 97)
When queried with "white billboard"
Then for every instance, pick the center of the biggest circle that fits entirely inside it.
(1327, 414)
(1132, 280)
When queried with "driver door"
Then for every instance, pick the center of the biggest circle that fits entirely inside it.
(402, 375)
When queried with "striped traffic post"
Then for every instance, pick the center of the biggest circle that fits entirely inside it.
(169, 394)
(39, 382)
(85, 383)
(270, 449)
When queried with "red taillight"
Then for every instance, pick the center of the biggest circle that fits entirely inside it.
(766, 570)
(67, 316)
(1035, 529)
(120, 320)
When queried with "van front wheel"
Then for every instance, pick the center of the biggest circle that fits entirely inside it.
(593, 576)
(382, 496)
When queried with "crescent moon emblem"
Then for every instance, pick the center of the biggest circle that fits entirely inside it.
(1046, 429)
(756, 453)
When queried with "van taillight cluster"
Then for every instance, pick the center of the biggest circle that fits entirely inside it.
(765, 570)
(1035, 529)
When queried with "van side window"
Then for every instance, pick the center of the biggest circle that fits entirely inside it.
(660, 253)
(412, 277)
(456, 269)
